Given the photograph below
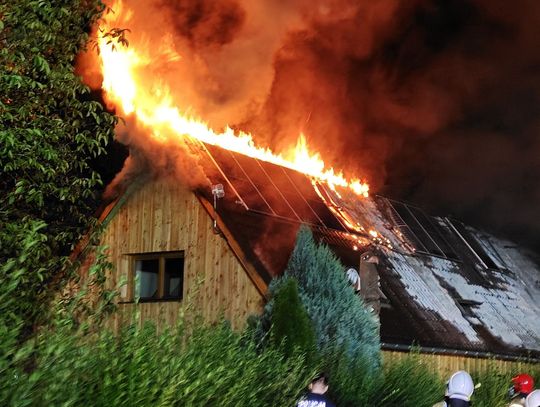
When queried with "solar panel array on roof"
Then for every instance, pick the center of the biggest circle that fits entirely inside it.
(271, 189)
(421, 230)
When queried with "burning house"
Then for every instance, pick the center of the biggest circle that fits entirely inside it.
(435, 282)
(208, 215)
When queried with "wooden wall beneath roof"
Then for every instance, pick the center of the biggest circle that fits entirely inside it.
(162, 217)
(445, 365)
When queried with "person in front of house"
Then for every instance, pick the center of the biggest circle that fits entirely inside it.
(522, 386)
(533, 399)
(459, 390)
(316, 396)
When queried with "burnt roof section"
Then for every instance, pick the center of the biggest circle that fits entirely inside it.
(449, 285)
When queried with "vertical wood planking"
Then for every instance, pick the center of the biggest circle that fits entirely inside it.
(445, 365)
(165, 217)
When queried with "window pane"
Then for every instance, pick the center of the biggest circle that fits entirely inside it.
(174, 278)
(147, 272)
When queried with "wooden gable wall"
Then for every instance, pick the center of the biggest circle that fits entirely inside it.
(162, 217)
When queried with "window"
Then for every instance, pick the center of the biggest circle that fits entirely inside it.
(158, 276)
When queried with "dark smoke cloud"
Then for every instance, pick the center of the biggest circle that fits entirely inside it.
(436, 102)
(206, 24)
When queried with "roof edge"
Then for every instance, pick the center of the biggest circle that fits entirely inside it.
(458, 352)
(251, 271)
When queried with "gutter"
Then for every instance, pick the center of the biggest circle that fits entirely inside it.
(457, 352)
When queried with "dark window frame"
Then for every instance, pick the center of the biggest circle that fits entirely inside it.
(161, 257)
(421, 230)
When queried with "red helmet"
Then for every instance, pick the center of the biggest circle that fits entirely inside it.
(523, 383)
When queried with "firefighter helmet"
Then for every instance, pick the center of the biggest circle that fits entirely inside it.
(522, 383)
(460, 386)
(533, 399)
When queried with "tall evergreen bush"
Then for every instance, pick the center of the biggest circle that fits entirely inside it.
(339, 316)
(291, 326)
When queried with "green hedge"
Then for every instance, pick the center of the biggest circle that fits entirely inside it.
(210, 366)
(207, 365)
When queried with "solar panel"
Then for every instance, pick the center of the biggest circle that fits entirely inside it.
(405, 230)
(271, 189)
(472, 243)
(421, 230)
(265, 187)
(417, 228)
(434, 230)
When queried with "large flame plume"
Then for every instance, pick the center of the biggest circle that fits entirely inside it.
(132, 82)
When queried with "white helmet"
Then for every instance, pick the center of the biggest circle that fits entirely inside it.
(460, 386)
(533, 399)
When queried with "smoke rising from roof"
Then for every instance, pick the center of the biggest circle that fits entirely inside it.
(153, 158)
(435, 101)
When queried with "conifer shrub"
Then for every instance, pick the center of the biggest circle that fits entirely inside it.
(340, 319)
(291, 327)
(352, 383)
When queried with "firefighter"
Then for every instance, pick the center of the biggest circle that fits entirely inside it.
(354, 279)
(316, 396)
(522, 385)
(459, 390)
(533, 399)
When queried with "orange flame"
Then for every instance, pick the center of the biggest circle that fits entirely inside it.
(127, 87)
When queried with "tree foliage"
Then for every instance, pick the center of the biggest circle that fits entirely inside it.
(50, 130)
(340, 318)
(291, 326)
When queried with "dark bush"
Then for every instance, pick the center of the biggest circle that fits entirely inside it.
(291, 326)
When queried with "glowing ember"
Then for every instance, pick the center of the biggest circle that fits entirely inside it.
(129, 86)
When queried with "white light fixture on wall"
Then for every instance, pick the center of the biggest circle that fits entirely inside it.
(218, 192)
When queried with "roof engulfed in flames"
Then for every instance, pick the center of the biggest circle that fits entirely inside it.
(131, 85)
